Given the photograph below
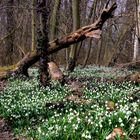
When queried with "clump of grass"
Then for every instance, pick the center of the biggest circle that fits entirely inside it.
(24, 104)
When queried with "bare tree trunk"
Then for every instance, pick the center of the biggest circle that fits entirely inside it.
(118, 47)
(68, 12)
(76, 25)
(99, 52)
(108, 42)
(125, 29)
(10, 27)
(54, 22)
(93, 30)
(93, 10)
(33, 25)
(54, 19)
(43, 41)
(137, 33)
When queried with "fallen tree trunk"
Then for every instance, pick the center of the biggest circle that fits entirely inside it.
(134, 78)
(93, 30)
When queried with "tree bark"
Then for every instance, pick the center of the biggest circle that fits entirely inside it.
(93, 30)
(118, 47)
(43, 41)
(9, 27)
(93, 10)
(54, 19)
(33, 25)
(76, 25)
(54, 23)
(137, 33)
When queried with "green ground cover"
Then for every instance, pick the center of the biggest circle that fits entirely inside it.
(23, 103)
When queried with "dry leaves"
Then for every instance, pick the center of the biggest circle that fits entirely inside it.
(116, 132)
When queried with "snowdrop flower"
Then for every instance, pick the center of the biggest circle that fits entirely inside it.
(132, 126)
(110, 122)
(89, 120)
(75, 126)
(39, 130)
(120, 120)
(78, 120)
(86, 135)
(101, 125)
(121, 124)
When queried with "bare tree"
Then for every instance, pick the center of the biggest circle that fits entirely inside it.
(33, 25)
(42, 48)
(137, 32)
(53, 21)
(10, 25)
(92, 11)
(76, 25)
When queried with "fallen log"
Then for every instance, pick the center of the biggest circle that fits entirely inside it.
(134, 78)
(93, 30)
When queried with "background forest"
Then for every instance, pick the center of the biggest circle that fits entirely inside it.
(119, 42)
(96, 93)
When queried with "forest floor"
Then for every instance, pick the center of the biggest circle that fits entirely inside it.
(5, 129)
(89, 106)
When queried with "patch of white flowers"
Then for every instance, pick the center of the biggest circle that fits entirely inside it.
(24, 101)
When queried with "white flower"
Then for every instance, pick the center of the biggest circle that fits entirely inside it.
(120, 120)
(115, 113)
(84, 134)
(101, 125)
(121, 124)
(89, 120)
(78, 120)
(132, 126)
(39, 130)
(96, 125)
(128, 112)
(89, 136)
(75, 126)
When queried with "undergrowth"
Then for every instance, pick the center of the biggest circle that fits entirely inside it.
(23, 104)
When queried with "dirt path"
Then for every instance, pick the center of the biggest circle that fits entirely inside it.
(5, 131)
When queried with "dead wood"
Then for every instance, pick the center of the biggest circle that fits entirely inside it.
(93, 30)
(129, 65)
(134, 78)
(55, 73)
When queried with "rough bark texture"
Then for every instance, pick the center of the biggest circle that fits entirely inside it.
(9, 27)
(33, 25)
(76, 25)
(137, 33)
(93, 30)
(93, 10)
(43, 41)
(54, 19)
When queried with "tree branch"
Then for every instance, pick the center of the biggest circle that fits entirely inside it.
(93, 30)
